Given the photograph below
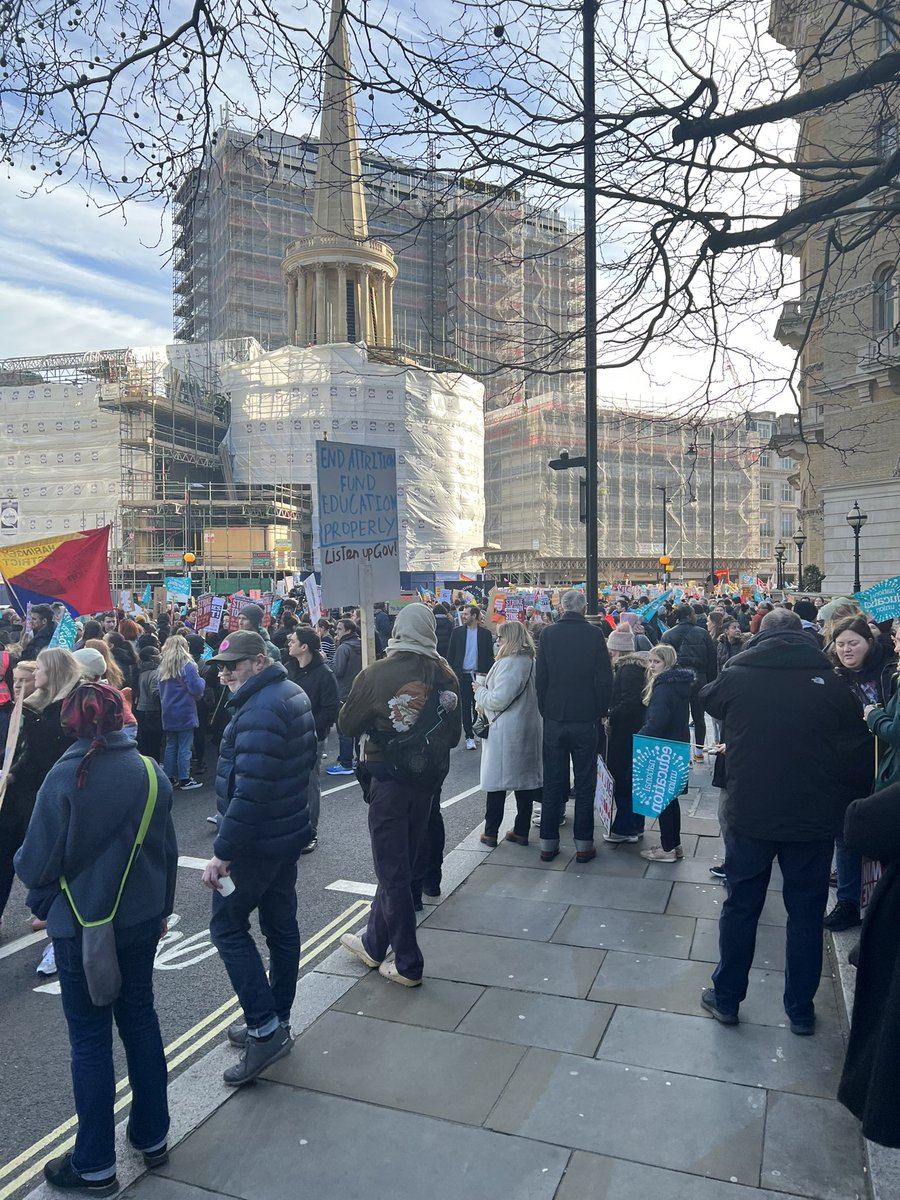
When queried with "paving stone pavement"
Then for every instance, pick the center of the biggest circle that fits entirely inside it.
(557, 1051)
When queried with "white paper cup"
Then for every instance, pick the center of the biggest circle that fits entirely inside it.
(226, 885)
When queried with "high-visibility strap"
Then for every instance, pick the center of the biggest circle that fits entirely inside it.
(138, 842)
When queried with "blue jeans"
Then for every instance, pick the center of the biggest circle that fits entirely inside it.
(90, 1036)
(562, 740)
(345, 749)
(805, 867)
(849, 874)
(179, 743)
(269, 885)
(626, 822)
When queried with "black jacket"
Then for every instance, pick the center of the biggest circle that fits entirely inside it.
(873, 683)
(321, 688)
(668, 712)
(573, 675)
(626, 716)
(872, 1066)
(443, 627)
(694, 647)
(39, 641)
(265, 758)
(347, 664)
(784, 712)
(456, 650)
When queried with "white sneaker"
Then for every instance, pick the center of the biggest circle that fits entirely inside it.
(47, 965)
(470, 743)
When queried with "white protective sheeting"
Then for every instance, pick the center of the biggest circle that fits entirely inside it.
(59, 458)
(283, 402)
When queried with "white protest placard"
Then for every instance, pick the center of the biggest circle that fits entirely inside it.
(357, 517)
(313, 598)
(215, 614)
(605, 795)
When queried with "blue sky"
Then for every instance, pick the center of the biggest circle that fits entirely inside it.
(74, 279)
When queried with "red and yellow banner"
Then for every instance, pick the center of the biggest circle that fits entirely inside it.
(72, 568)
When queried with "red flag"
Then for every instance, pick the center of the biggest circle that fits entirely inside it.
(72, 568)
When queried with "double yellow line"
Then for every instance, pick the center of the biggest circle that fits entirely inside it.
(59, 1140)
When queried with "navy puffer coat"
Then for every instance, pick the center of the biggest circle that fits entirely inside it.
(266, 755)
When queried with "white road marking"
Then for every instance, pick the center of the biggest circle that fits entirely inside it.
(352, 886)
(52, 989)
(462, 795)
(342, 788)
(21, 943)
(198, 864)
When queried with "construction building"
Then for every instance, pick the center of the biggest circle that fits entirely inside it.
(342, 377)
(844, 326)
(654, 483)
(131, 438)
(486, 282)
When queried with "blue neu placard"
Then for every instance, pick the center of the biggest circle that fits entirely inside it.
(660, 770)
(882, 601)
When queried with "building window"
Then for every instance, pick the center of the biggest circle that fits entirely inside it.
(788, 464)
(765, 491)
(765, 459)
(887, 30)
(765, 549)
(886, 139)
(787, 525)
(766, 528)
(788, 495)
(885, 301)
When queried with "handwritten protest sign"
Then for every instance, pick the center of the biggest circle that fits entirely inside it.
(357, 518)
(604, 796)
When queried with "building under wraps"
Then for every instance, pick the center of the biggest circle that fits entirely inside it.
(283, 402)
(132, 438)
(533, 512)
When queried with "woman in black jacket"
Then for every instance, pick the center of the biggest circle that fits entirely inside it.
(306, 667)
(869, 669)
(869, 1082)
(626, 717)
(668, 699)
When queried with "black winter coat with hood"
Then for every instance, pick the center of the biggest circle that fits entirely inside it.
(869, 1082)
(669, 710)
(784, 712)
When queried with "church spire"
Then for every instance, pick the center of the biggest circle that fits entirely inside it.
(340, 200)
(340, 282)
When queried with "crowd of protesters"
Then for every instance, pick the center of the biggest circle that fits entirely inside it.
(795, 702)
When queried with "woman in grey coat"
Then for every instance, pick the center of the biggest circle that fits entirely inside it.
(511, 758)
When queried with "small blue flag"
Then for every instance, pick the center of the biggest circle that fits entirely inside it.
(146, 596)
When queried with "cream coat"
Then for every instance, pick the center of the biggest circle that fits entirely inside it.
(511, 754)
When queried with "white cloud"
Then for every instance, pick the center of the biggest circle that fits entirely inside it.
(75, 279)
(40, 321)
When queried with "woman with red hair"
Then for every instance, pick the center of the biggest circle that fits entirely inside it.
(85, 829)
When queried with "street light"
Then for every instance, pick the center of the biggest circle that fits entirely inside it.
(780, 550)
(692, 454)
(799, 542)
(856, 518)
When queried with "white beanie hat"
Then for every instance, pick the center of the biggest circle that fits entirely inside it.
(414, 632)
(91, 661)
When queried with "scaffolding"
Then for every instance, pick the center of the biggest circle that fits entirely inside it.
(533, 511)
(133, 438)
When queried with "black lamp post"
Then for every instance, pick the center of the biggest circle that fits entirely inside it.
(779, 565)
(692, 454)
(856, 518)
(799, 542)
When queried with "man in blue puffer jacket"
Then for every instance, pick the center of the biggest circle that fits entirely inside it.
(267, 752)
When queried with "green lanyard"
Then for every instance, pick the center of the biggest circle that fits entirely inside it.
(138, 842)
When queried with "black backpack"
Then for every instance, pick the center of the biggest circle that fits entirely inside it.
(421, 755)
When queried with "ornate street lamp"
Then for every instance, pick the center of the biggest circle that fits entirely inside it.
(856, 518)
(780, 549)
(799, 542)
